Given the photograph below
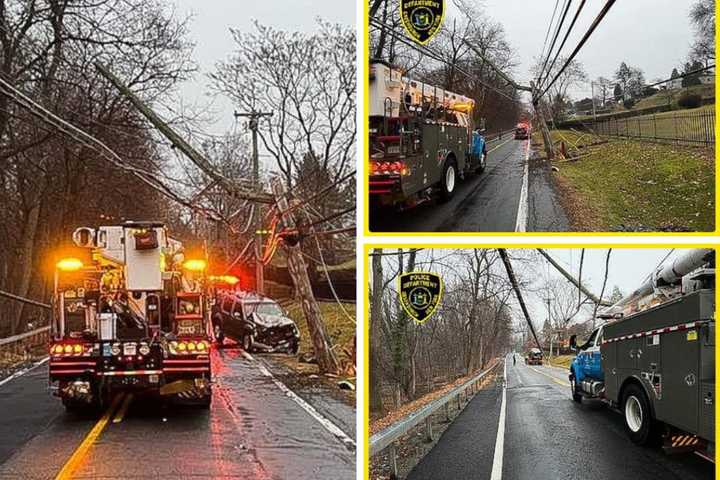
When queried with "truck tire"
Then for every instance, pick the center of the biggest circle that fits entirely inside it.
(448, 182)
(639, 424)
(483, 161)
(574, 390)
(218, 333)
(247, 342)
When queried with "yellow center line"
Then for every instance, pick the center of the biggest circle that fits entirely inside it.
(123, 409)
(79, 455)
(492, 150)
(559, 382)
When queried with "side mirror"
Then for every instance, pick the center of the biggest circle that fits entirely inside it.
(237, 315)
(573, 343)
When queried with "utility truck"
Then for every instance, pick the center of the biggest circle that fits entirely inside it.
(422, 139)
(129, 315)
(654, 358)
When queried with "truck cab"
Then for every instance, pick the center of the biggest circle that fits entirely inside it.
(586, 371)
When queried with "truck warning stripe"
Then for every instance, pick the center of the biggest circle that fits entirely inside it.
(675, 328)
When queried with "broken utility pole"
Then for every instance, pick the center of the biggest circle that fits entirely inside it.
(518, 293)
(571, 279)
(298, 271)
(196, 157)
(538, 104)
(253, 124)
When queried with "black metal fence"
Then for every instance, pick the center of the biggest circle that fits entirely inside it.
(690, 127)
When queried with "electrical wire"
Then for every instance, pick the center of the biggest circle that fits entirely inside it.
(606, 8)
(565, 9)
(562, 45)
(426, 51)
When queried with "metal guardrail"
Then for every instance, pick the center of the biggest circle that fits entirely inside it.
(387, 437)
(33, 337)
(681, 127)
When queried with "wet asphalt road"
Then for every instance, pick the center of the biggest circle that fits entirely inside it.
(489, 202)
(548, 436)
(253, 430)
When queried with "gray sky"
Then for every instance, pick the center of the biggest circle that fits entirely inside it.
(653, 35)
(210, 29)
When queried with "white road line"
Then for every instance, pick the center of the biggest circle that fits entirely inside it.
(22, 372)
(521, 223)
(325, 422)
(497, 467)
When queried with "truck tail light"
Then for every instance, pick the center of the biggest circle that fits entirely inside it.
(389, 168)
(71, 349)
(189, 347)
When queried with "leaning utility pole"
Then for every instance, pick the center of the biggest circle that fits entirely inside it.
(518, 293)
(572, 280)
(253, 124)
(539, 113)
(196, 157)
(298, 271)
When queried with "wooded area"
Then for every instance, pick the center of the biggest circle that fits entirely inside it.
(52, 183)
(461, 70)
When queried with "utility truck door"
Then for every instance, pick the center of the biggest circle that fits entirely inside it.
(592, 362)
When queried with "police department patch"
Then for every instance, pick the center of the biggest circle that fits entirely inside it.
(420, 294)
(422, 19)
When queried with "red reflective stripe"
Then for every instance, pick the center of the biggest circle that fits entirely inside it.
(382, 182)
(130, 372)
(187, 361)
(187, 369)
(71, 364)
(57, 372)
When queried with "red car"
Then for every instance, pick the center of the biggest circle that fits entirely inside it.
(521, 132)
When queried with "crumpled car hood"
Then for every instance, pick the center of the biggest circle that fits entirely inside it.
(269, 321)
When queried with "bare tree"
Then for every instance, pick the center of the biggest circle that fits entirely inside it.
(308, 82)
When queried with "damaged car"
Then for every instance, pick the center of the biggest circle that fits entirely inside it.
(258, 323)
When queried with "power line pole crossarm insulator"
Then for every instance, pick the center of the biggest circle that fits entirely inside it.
(254, 124)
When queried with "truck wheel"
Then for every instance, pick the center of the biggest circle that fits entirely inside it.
(574, 391)
(247, 342)
(218, 334)
(639, 423)
(483, 161)
(293, 348)
(448, 182)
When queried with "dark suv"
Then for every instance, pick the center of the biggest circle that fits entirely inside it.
(257, 322)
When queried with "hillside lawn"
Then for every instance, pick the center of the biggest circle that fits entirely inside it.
(626, 185)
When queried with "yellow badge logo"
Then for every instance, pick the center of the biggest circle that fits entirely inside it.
(422, 19)
(420, 294)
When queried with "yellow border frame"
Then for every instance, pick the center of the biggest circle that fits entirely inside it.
(363, 190)
(440, 295)
(442, 245)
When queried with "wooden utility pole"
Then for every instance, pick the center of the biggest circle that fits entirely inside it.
(539, 113)
(572, 279)
(196, 157)
(253, 124)
(518, 293)
(298, 271)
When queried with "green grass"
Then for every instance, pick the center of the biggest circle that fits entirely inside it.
(562, 361)
(340, 329)
(694, 125)
(631, 184)
(672, 96)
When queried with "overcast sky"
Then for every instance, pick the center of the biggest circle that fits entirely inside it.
(653, 35)
(210, 29)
